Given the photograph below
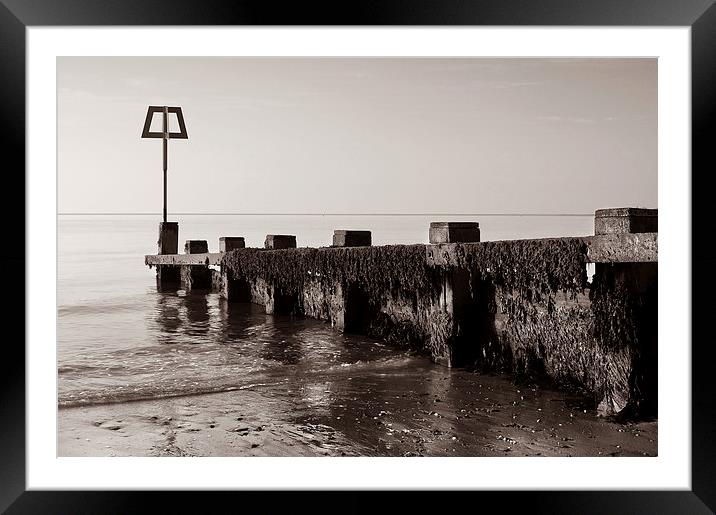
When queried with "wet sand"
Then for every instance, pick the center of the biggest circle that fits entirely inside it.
(422, 411)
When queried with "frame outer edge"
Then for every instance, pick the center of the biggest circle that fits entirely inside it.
(12, 150)
(703, 133)
(15, 14)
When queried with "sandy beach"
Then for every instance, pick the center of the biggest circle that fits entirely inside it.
(495, 418)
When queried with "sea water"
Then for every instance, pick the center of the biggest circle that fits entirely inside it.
(119, 339)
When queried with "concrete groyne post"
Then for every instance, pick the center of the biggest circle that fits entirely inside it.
(227, 243)
(278, 302)
(623, 220)
(280, 241)
(233, 289)
(456, 299)
(348, 306)
(454, 232)
(636, 283)
(168, 277)
(195, 277)
(345, 238)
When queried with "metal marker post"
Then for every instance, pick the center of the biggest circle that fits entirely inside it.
(166, 135)
(165, 142)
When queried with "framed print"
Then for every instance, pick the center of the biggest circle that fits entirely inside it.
(419, 251)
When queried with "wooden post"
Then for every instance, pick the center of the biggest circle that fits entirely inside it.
(168, 277)
(196, 277)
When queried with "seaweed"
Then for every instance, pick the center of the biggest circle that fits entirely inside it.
(401, 333)
(616, 307)
(374, 270)
(535, 267)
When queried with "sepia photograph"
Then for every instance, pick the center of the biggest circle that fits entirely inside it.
(357, 256)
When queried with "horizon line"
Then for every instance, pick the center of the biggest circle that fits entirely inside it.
(328, 214)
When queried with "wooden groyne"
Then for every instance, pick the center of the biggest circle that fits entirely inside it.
(524, 306)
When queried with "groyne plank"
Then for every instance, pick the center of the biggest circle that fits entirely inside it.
(204, 259)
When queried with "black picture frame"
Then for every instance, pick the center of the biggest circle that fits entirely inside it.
(17, 15)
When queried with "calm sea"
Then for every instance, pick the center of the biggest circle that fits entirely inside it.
(119, 339)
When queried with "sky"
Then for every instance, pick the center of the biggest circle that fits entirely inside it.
(359, 135)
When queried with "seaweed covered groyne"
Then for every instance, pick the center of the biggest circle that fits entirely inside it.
(579, 311)
(524, 306)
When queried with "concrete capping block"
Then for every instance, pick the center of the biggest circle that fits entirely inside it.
(347, 238)
(280, 241)
(227, 243)
(196, 247)
(454, 232)
(625, 220)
